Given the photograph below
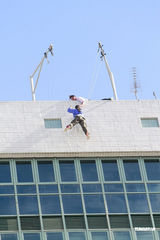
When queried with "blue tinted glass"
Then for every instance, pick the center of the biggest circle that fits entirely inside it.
(92, 187)
(116, 203)
(89, 171)
(54, 236)
(50, 204)
(144, 235)
(52, 123)
(48, 188)
(70, 188)
(9, 237)
(110, 171)
(121, 236)
(7, 205)
(115, 187)
(138, 203)
(31, 236)
(153, 187)
(72, 203)
(153, 169)
(135, 187)
(155, 202)
(67, 170)
(94, 203)
(26, 188)
(77, 236)
(149, 122)
(132, 170)
(46, 171)
(28, 204)
(24, 172)
(99, 236)
(9, 189)
(5, 175)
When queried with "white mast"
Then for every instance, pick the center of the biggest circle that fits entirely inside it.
(108, 69)
(33, 88)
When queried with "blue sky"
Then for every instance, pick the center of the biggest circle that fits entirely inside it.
(128, 29)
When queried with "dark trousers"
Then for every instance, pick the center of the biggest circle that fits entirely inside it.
(81, 120)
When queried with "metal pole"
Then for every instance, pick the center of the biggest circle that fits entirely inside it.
(32, 89)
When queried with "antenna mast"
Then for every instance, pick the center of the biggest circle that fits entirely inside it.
(33, 88)
(108, 69)
(135, 85)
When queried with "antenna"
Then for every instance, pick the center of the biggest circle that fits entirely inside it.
(33, 88)
(103, 54)
(135, 84)
(154, 94)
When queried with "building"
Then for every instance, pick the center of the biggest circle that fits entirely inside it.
(61, 186)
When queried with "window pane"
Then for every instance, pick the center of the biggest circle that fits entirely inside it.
(89, 171)
(138, 203)
(24, 172)
(75, 222)
(92, 188)
(121, 235)
(132, 170)
(153, 187)
(97, 222)
(54, 236)
(51, 223)
(31, 236)
(50, 204)
(110, 171)
(9, 237)
(153, 169)
(46, 171)
(155, 202)
(141, 220)
(72, 203)
(116, 203)
(8, 223)
(119, 221)
(149, 122)
(6, 189)
(5, 175)
(48, 188)
(67, 170)
(30, 223)
(70, 188)
(52, 123)
(7, 205)
(99, 236)
(26, 188)
(28, 204)
(144, 235)
(94, 203)
(77, 236)
(115, 187)
(135, 187)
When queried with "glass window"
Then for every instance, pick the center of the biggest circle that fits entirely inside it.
(30, 223)
(110, 171)
(50, 204)
(97, 222)
(153, 169)
(5, 175)
(153, 187)
(94, 203)
(159, 234)
(75, 222)
(121, 235)
(48, 188)
(89, 171)
(92, 188)
(115, 187)
(72, 203)
(7, 205)
(70, 188)
(144, 235)
(31, 236)
(55, 236)
(116, 203)
(8, 223)
(52, 123)
(142, 220)
(26, 188)
(77, 236)
(6, 189)
(155, 202)
(51, 223)
(46, 171)
(132, 170)
(24, 172)
(28, 204)
(138, 203)
(9, 237)
(119, 221)
(149, 122)
(135, 187)
(67, 170)
(99, 236)
(157, 220)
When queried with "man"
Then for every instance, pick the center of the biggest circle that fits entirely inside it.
(80, 100)
(78, 118)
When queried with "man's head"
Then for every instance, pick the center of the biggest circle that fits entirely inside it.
(73, 97)
(78, 107)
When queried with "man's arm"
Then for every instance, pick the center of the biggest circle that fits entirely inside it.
(71, 110)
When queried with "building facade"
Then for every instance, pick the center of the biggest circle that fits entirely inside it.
(61, 186)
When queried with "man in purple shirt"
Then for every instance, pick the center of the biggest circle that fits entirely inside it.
(78, 118)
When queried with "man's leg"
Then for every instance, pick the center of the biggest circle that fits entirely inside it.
(72, 124)
(83, 124)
